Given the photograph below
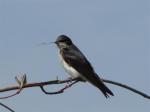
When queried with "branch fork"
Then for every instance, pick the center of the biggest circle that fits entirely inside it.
(22, 83)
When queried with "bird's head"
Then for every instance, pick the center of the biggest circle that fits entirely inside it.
(63, 41)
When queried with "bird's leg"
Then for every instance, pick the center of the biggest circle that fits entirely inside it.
(70, 80)
(74, 79)
(68, 86)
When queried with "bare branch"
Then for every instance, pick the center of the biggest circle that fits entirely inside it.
(21, 82)
(59, 91)
(127, 87)
(8, 108)
(42, 84)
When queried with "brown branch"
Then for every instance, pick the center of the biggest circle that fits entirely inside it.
(59, 91)
(21, 82)
(39, 84)
(42, 84)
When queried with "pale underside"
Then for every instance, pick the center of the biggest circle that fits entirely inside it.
(70, 70)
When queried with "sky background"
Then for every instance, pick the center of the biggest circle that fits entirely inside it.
(113, 34)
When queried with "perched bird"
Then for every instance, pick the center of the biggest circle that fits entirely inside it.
(77, 65)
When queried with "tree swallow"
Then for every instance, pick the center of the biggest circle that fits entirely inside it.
(77, 65)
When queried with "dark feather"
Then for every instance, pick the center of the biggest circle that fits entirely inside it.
(74, 57)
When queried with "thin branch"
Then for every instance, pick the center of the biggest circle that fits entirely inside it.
(36, 84)
(5, 106)
(127, 87)
(59, 91)
(41, 84)
(21, 82)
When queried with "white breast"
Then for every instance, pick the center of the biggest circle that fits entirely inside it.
(71, 71)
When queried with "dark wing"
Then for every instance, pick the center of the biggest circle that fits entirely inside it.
(76, 59)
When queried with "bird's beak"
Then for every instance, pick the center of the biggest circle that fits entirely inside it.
(54, 42)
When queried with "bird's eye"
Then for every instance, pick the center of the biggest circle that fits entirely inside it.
(62, 40)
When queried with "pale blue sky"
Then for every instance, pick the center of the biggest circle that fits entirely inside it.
(114, 35)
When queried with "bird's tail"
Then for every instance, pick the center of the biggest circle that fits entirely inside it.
(104, 89)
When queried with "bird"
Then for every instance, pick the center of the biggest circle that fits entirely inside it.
(76, 64)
